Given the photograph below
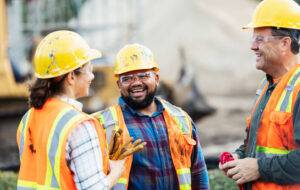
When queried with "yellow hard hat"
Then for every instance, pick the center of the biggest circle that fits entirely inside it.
(134, 57)
(61, 52)
(276, 13)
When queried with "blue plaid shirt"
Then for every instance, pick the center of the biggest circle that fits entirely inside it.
(152, 168)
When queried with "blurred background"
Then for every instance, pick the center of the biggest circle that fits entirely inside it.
(206, 64)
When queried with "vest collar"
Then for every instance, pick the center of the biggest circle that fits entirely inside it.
(127, 108)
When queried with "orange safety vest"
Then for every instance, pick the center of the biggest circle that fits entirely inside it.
(275, 136)
(179, 130)
(42, 135)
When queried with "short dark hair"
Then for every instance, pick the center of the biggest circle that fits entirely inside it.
(294, 34)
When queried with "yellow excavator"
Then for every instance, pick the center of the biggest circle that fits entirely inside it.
(13, 94)
(8, 86)
(104, 92)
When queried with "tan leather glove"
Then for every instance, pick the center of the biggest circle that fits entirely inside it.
(119, 150)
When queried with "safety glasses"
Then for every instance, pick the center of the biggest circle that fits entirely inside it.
(130, 78)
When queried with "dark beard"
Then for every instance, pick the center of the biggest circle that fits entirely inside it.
(138, 105)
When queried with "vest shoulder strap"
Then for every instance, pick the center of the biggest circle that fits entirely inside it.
(108, 119)
(22, 130)
(286, 98)
(183, 120)
(64, 121)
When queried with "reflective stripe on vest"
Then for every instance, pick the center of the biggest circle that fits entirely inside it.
(260, 89)
(109, 120)
(179, 115)
(64, 120)
(28, 185)
(121, 184)
(285, 101)
(182, 121)
(184, 178)
(23, 130)
(269, 152)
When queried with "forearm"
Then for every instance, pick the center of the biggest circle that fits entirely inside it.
(200, 179)
(281, 169)
(198, 170)
(85, 160)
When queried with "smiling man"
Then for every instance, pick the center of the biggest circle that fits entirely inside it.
(270, 155)
(172, 158)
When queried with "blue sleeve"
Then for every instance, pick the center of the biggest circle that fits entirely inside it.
(199, 171)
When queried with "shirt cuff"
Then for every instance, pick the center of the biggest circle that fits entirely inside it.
(264, 168)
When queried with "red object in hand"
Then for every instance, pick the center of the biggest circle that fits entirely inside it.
(225, 157)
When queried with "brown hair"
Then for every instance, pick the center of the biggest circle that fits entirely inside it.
(294, 34)
(42, 89)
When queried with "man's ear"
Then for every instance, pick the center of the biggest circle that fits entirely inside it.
(286, 43)
(156, 79)
(70, 78)
(118, 83)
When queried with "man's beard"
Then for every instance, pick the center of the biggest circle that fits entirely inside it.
(139, 104)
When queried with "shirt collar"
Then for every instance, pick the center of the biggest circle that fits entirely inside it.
(272, 80)
(125, 107)
(76, 104)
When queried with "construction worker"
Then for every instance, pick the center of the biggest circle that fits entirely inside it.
(270, 155)
(60, 146)
(172, 158)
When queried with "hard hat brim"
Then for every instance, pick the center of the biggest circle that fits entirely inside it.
(248, 26)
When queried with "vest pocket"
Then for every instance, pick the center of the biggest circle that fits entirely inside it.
(189, 144)
(281, 126)
(182, 148)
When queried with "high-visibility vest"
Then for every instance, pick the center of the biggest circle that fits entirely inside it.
(275, 135)
(181, 143)
(42, 136)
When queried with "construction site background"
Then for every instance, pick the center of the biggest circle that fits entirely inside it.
(202, 36)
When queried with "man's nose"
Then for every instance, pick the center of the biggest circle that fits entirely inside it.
(136, 80)
(254, 46)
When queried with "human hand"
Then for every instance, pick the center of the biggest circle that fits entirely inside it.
(242, 170)
(116, 169)
(119, 150)
(226, 157)
(117, 165)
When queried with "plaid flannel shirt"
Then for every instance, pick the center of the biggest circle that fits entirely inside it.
(152, 168)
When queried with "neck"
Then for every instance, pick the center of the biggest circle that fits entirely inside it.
(286, 66)
(66, 94)
(149, 110)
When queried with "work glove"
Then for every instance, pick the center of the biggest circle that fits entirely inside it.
(119, 150)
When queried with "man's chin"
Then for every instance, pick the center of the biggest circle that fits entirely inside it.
(138, 99)
(259, 65)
